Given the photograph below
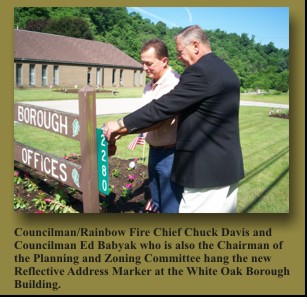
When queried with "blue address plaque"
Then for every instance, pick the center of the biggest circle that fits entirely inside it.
(102, 160)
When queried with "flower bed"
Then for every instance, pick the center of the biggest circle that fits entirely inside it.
(35, 192)
(279, 114)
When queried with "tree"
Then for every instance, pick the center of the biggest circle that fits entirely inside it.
(37, 25)
(281, 82)
(161, 29)
(70, 26)
(105, 18)
(22, 15)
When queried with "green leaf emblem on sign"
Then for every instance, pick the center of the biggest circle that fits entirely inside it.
(75, 127)
(75, 177)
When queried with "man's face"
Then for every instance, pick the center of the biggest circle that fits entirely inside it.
(184, 52)
(153, 66)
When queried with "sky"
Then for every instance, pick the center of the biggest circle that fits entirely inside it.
(266, 24)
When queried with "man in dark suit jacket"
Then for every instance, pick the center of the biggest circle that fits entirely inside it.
(208, 160)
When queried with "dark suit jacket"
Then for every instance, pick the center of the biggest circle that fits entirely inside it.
(207, 100)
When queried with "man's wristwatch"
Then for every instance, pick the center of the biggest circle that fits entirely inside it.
(120, 123)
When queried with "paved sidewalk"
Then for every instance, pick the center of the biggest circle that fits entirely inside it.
(263, 104)
(122, 105)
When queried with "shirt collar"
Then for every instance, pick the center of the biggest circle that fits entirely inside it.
(161, 79)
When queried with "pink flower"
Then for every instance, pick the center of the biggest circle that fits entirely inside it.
(128, 186)
(48, 200)
(16, 173)
(39, 211)
(135, 160)
(131, 177)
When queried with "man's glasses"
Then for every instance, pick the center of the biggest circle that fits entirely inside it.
(180, 51)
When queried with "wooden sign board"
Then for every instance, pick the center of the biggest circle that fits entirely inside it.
(60, 169)
(63, 123)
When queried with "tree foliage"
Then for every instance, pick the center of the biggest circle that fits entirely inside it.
(258, 66)
(70, 26)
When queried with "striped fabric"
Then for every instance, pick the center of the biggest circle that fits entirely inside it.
(151, 206)
(140, 139)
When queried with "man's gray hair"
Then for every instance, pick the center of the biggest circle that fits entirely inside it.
(194, 32)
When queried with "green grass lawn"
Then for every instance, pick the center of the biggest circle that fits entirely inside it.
(38, 94)
(265, 145)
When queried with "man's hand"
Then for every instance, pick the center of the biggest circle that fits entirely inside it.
(109, 128)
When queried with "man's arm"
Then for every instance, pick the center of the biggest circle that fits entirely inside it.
(191, 89)
(115, 135)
